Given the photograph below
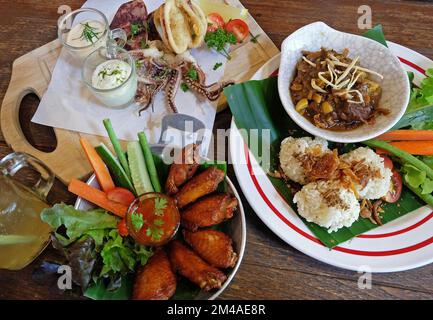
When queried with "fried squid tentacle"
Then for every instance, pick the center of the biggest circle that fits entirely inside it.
(172, 87)
(204, 90)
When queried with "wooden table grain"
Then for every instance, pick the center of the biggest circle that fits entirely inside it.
(271, 269)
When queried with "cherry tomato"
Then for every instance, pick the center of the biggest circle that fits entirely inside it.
(121, 227)
(239, 28)
(396, 186)
(121, 195)
(214, 22)
(387, 162)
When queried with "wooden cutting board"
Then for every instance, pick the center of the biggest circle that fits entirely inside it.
(31, 73)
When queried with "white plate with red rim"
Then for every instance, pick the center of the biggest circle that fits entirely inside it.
(402, 244)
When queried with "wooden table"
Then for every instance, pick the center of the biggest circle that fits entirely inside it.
(271, 269)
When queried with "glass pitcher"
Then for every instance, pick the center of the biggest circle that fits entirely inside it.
(23, 235)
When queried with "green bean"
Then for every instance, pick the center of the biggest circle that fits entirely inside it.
(117, 148)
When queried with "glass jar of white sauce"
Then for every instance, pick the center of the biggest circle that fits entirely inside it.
(83, 31)
(110, 74)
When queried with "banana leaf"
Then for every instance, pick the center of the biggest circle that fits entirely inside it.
(256, 105)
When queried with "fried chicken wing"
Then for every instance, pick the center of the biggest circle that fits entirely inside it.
(194, 268)
(209, 211)
(213, 246)
(183, 168)
(199, 186)
(156, 280)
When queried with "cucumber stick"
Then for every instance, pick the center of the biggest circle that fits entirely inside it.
(137, 165)
(150, 163)
(120, 176)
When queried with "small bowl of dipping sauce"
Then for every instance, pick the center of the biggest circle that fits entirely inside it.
(153, 219)
(110, 74)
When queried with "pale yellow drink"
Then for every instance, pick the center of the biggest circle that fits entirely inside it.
(23, 235)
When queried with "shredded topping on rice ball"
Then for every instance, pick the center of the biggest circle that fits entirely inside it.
(304, 160)
(368, 173)
(328, 204)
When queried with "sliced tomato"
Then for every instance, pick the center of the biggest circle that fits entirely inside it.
(121, 195)
(122, 228)
(396, 186)
(239, 28)
(387, 162)
(214, 22)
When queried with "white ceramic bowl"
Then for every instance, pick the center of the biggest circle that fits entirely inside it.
(373, 55)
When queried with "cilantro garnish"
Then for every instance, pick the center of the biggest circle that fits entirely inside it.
(219, 39)
(217, 65)
(158, 222)
(137, 220)
(154, 232)
(160, 205)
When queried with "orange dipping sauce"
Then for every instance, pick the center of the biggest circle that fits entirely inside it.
(153, 219)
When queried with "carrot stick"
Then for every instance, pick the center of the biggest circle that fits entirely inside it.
(418, 148)
(101, 171)
(97, 197)
(407, 135)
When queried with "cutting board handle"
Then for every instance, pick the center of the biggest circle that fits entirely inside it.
(19, 87)
(27, 79)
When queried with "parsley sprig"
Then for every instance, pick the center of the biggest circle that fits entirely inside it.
(136, 28)
(217, 65)
(219, 39)
(192, 74)
(184, 87)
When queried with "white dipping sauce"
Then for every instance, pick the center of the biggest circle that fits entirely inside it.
(75, 36)
(83, 46)
(110, 75)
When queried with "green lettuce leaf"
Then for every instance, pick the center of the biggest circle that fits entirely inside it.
(413, 175)
(417, 179)
(116, 256)
(78, 223)
(93, 246)
(427, 186)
